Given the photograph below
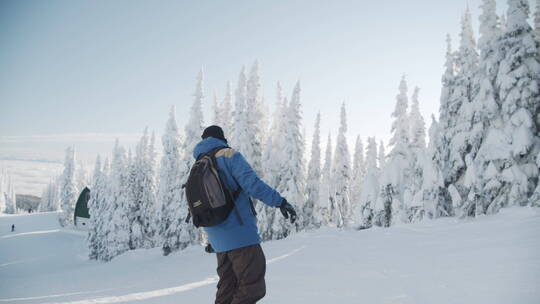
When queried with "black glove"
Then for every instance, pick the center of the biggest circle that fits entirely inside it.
(209, 248)
(287, 209)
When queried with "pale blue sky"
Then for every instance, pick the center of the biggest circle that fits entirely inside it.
(117, 66)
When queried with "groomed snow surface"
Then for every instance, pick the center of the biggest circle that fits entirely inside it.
(492, 259)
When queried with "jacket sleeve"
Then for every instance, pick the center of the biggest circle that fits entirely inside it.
(251, 183)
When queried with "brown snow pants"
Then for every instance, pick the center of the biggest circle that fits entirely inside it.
(241, 275)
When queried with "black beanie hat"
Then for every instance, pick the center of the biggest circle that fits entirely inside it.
(215, 132)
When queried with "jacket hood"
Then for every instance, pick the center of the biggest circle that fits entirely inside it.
(206, 145)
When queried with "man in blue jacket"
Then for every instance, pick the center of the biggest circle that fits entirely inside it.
(241, 262)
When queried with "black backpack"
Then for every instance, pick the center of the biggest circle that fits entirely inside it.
(210, 202)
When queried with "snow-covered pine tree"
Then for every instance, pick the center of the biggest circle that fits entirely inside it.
(273, 156)
(326, 199)
(518, 80)
(50, 198)
(412, 196)
(226, 110)
(432, 191)
(311, 218)
(132, 193)
(381, 155)
(216, 111)
(464, 141)
(370, 187)
(11, 198)
(291, 176)
(418, 125)
(141, 195)
(447, 111)
(94, 204)
(68, 189)
(7, 194)
(149, 208)
(273, 153)
(116, 232)
(341, 211)
(390, 207)
(101, 193)
(254, 115)
(192, 130)
(358, 173)
(486, 108)
(174, 232)
(239, 138)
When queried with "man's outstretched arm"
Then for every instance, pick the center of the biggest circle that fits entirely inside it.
(251, 183)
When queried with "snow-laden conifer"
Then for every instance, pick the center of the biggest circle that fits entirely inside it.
(400, 126)
(7, 194)
(381, 156)
(94, 205)
(291, 176)
(390, 205)
(194, 128)
(117, 234)
(50, 197)
(273, 153)
(370, 187)
(432, 194)
(11, 198)
(226, 111)
(326, 195)
(486, 108)
(341, 167)
(174, 232)
(192, 132)
(253, 152)
(149, 209)
(518, 80)
(239, 138)
(358, 173)
(273, 161)
(447, 112)
(101, 194)
(216, 111)
(141, 195)
(417, 123)
(412, 195)
(311, 218)
(464, 139)
(68, 189)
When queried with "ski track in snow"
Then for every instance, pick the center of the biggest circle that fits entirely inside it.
(138, 296)
(29, 233)
(54, 295)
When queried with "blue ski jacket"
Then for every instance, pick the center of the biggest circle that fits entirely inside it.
(235, 172)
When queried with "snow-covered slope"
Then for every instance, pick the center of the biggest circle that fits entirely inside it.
(493, 259)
